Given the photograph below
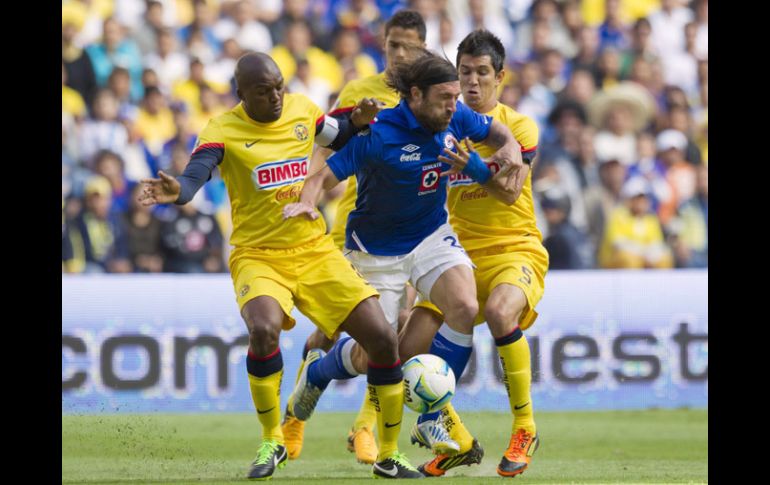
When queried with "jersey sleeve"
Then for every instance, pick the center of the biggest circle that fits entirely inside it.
(353, 156)
(470, 124)
(209, 152)
(526, 133)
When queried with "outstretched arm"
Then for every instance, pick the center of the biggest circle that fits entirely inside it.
(311, 193)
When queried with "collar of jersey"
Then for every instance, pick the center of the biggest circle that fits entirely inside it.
(411, 121)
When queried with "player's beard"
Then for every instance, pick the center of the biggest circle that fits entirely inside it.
(433, 124)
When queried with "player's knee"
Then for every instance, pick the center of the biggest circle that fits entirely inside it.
(263, 337)
(501, 319)
(462, 313)
(383, 348)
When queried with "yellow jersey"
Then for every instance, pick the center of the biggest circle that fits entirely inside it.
(480, 220)
(264, 166)
(354, 91)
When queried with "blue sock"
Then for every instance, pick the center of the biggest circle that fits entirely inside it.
(332, 366)
(455, 348)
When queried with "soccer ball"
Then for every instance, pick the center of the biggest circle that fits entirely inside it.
(429, 383)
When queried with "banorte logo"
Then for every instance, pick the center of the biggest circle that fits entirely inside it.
(462, 179)
(277, 174)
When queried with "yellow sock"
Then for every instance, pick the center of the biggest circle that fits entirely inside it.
(517, 376)
(367, 416)
(456, 428)
(388, 402)
(265, 392)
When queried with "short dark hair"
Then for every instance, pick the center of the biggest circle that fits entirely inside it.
(482, 42)
(422, 73)
(407, 20)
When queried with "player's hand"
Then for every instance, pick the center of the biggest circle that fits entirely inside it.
(511, 164)
(298, 208)
(365, 111)
(459, 159)
(163, 190)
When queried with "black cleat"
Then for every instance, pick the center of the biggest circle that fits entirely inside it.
(395, 466)
(439, 465)
(270, 456)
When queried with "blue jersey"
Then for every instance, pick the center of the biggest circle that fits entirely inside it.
(401, 198)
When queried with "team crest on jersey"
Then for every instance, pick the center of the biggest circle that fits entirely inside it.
(301, 132)
(448, 139)
(244, 290)
(272, 175)
(430, 179)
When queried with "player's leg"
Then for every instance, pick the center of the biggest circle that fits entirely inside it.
(333, 292)
(503, 311)
(264, 317)
(293, 428)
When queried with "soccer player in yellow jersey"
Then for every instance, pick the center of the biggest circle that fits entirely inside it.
(262, 147)
(497, 229)
(404, 32)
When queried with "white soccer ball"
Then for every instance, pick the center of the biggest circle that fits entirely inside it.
(429, 383)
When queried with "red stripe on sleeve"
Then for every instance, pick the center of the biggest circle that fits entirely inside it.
(208, 145)
(529, 149)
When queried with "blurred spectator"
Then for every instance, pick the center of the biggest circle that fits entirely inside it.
(243, 26)
(545, 12)
(536, 100)
(199, 36)
(613, 32)
(191, 242)
(430, 11)
(189, 90)
(298, 45)
(619, 113)
(561, 175)
(155, 121)
(110, 166)
(679, 119)
(447, 38)
(651, 168)
(294, 10)
(104, 131)
(116, 50)
(633, 238)
(580, 87)
(97, 240)
(690, 227)
(347, 52)
(568, 247)
(210, 107)
(641, 46)
(146, 33)
(221, 71)
(482, 15)
(167, 62)
(668, 27)
(573, 20)
(315, 89)
(71, 100)
(119, 83)
(680, 68)
(150, 79)
(363, 17)
(588, 162)
(587, 56)
(609, 67)
(553, 69)
(90, 15)
(80, 72)
(142, 235)
(680, 173)
(602, 199)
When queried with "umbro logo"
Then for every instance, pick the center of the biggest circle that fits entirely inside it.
(410, 148)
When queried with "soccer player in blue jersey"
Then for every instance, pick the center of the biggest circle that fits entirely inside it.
(398, 232)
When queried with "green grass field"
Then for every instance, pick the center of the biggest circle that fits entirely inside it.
(658, 446)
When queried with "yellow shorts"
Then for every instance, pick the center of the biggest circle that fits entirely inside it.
(315, 277)
(523, 265)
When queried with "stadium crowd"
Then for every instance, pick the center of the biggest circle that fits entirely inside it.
(619, 89)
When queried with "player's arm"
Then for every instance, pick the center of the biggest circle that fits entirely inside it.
(337, 168)
(334, 130)
(180, 190)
